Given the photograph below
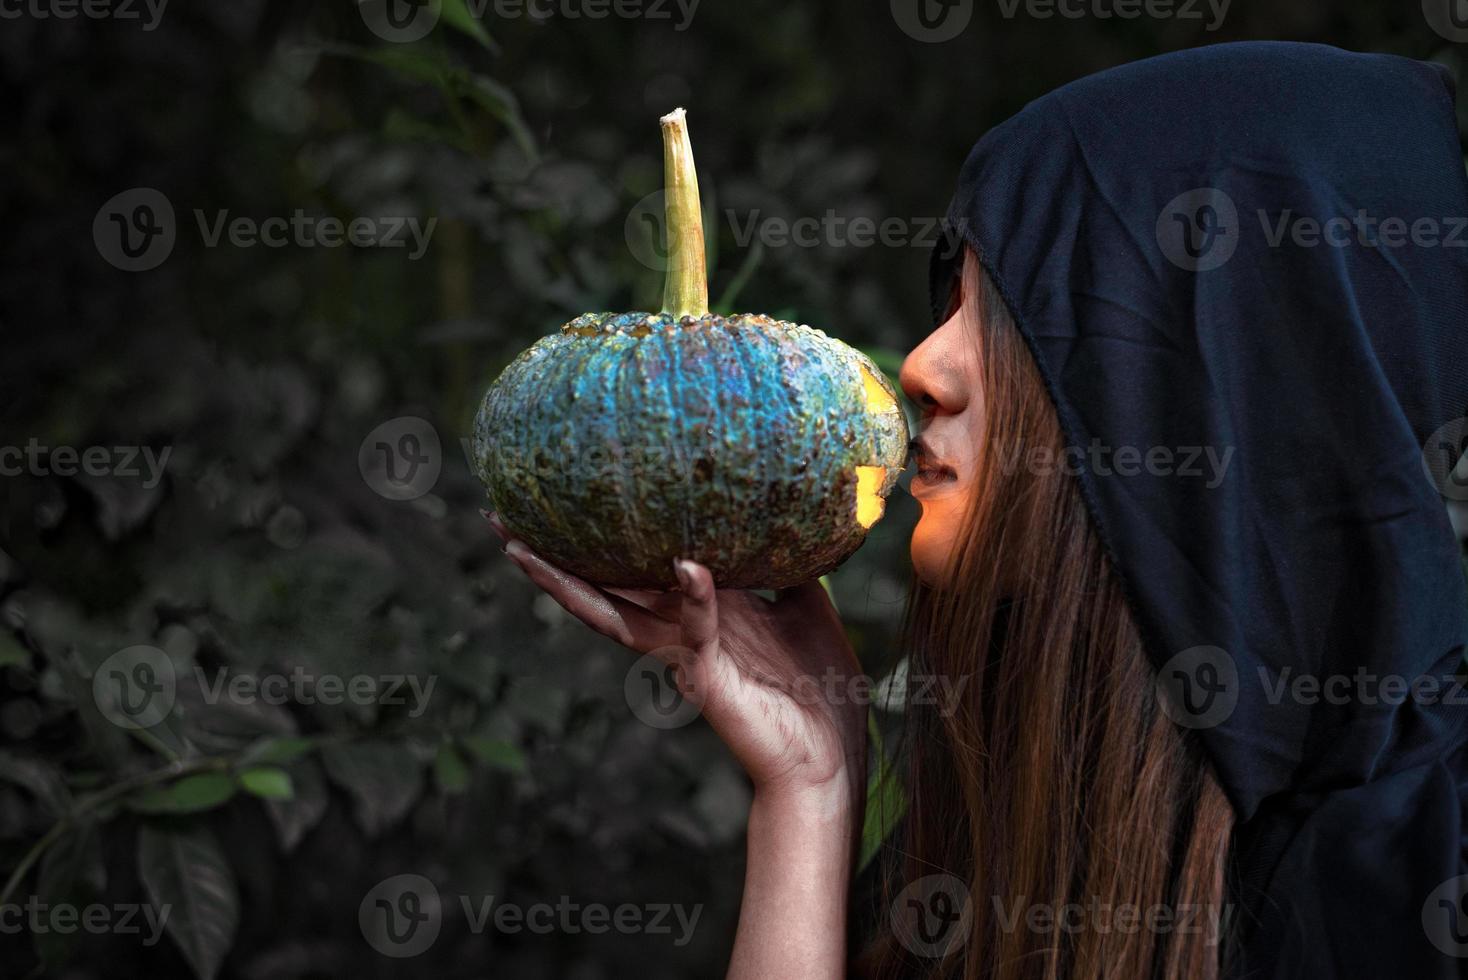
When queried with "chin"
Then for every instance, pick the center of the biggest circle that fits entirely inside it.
(931, 549)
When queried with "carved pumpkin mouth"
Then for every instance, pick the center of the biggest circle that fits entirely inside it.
(872, 480)
(870, 504)
(877, 398)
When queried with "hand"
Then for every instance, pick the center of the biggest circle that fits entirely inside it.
(776, 679)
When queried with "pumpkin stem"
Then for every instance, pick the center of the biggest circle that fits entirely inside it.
(686, 288)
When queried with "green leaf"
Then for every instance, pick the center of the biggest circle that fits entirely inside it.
(495, 752)
(419, 63)
(499, 102)
(40, 778)
(268, 783)
(457, 15)
(164, 739)
(404, 126)
(384, 779)
(450, 771)
(184, 871)
(105, 740)
(85, 779)
(12, 654)
(430, 65)
(74, 860)
(886, 800)
(71, 872)
(192, 794)
(276, 750)
(294, 818)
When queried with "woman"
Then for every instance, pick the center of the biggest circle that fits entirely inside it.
(1176, 540)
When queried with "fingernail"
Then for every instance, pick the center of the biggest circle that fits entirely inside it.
(516, 549)
(680, 569)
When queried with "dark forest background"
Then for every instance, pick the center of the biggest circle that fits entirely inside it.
(269, 546)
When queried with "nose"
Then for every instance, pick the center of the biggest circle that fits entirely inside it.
(933, 374)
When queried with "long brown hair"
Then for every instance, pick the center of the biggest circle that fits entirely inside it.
(1054, 782)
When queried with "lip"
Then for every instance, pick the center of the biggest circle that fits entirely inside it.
(932, 471)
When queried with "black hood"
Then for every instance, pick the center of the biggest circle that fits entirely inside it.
(1243, 271)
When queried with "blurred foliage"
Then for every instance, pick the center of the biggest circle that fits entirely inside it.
(264, 552)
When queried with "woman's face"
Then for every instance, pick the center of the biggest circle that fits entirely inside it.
(942, 378)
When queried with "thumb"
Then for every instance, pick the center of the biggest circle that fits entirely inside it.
(695, 659)
(699, 620)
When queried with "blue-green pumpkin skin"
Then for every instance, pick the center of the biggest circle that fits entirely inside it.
(626, 440)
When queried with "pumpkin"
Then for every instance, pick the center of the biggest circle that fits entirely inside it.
(760, 448)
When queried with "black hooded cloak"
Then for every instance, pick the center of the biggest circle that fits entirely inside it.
(1258, 250)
